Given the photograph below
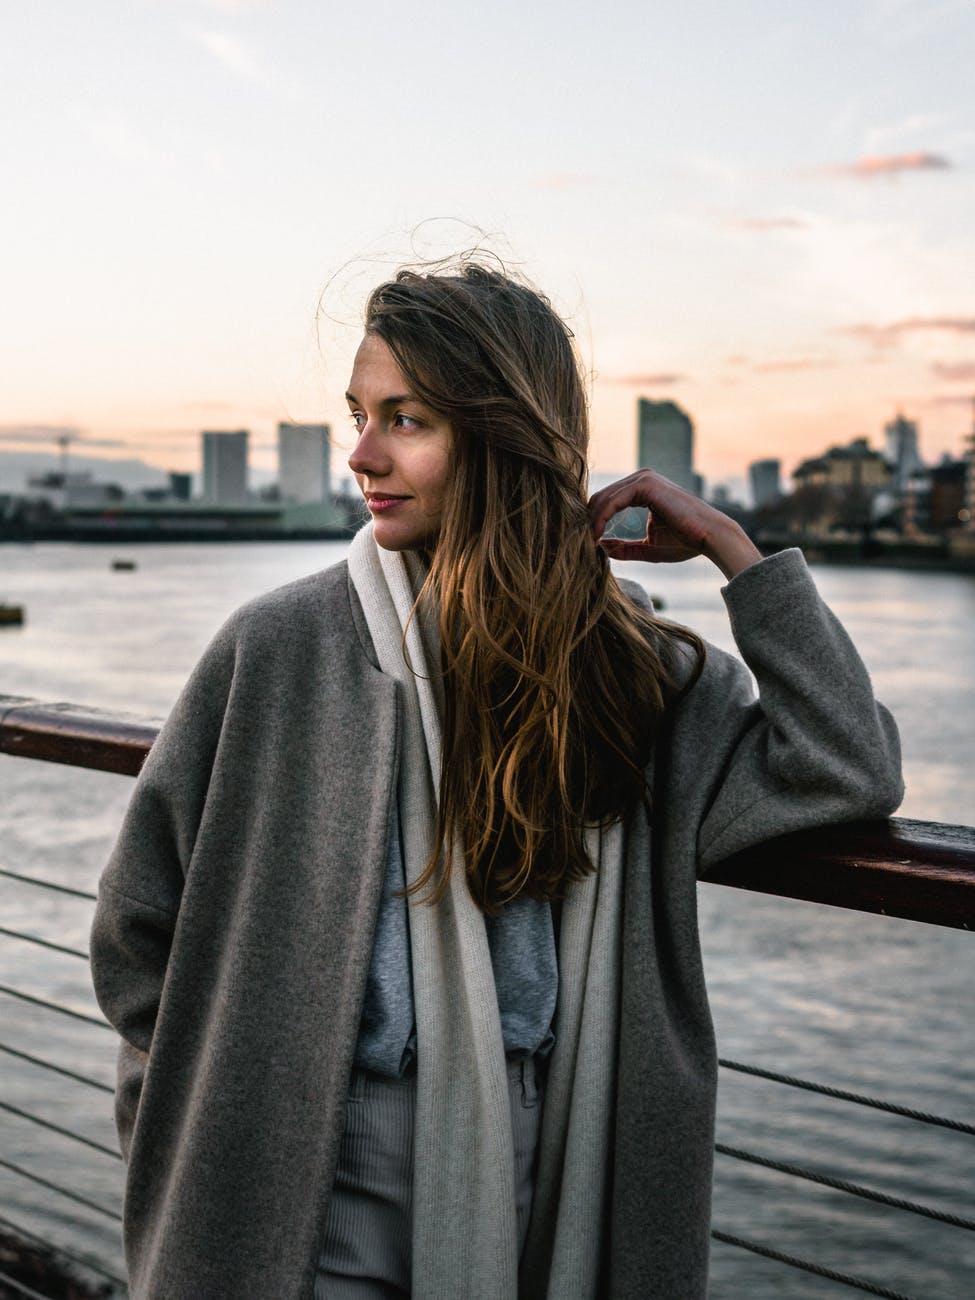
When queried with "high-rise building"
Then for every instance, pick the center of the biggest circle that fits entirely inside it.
(225, 467)
(902, 454)
(665, 442)
(764, 479)
(304, 467)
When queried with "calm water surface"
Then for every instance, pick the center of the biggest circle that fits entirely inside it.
(862, 1002)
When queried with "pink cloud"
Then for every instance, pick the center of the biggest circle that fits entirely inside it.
(874, 165)
(962, 370)
(659, 380)
(793, 363)
(887, 335)
(48, 435)
(39, 433)
(948, 399)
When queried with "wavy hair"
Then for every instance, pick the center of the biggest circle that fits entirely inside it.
(555, 682)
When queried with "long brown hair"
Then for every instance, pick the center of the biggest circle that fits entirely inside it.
(555, 682)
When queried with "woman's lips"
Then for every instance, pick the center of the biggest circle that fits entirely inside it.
(379, 504)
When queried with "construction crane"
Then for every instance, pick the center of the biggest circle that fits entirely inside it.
(63, 440)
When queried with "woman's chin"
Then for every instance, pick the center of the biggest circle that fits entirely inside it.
(398, 535)
(395, 539)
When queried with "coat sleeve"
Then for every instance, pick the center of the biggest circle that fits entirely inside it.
(141, 887)
(813, 748)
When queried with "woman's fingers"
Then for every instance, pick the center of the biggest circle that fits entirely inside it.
(682, 513)
(661, 546)
(629, 491)
(680, 525)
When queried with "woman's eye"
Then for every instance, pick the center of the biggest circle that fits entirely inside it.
(403, 421)
(357, 418)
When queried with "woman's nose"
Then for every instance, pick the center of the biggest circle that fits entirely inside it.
(368, 455)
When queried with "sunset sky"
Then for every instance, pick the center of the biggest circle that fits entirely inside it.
(763, 211)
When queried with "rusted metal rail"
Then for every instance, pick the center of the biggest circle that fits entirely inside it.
(69, 733)
(922, 871)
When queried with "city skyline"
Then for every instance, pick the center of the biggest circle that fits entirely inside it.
(844, 488)
(310, 456)
(762, 217)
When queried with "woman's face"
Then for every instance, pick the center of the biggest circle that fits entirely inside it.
(401, 460)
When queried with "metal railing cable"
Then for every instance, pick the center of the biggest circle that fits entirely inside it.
(57, 1128)
(841, 1094)
(44, 943)
(55, 1006)
(836, 1184)
(21, 1288)
(48, 884)
(842, 1185)
(808, 1266)
(61, 1191)
(58, 1069)
(27, 1235)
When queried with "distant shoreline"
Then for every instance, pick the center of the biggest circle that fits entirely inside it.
(123, 536)
(935, 556)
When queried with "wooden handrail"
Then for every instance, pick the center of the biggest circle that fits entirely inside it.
(922, 871)
(70, 733)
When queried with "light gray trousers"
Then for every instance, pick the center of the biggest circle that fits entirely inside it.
(367, 1253)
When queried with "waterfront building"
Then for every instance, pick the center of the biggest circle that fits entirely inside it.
(62, 490)
(855, 465)
(140, 519)
(915, 500)
(225, 466)
(846, 487)
(969, 521)
(902, 452)
(961, 542)
(723, 498)
(304, 464)
(946, 509)
(764, 479)
(180, 486)
(665, 442)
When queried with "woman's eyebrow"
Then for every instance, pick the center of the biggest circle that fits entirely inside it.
(395, 400)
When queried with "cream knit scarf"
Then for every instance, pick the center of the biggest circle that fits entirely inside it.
(464, 1232)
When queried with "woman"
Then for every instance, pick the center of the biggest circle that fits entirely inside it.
(418, 846)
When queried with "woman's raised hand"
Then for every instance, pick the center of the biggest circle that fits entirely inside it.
(679, 525)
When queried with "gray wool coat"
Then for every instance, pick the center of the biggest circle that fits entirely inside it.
(235, 919)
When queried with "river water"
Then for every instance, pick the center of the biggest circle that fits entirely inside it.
(860, 1002)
